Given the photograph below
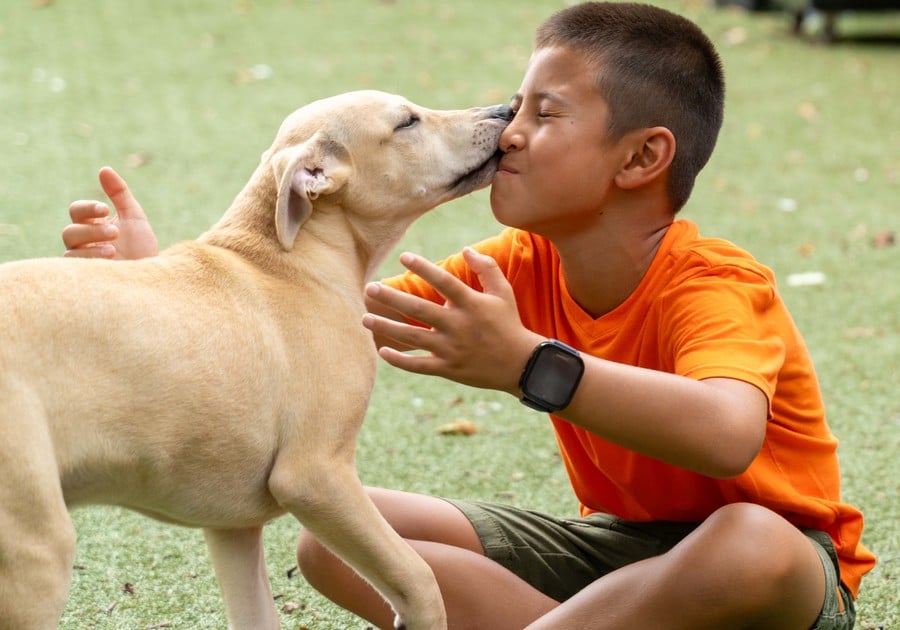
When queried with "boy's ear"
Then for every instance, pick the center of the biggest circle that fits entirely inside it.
(652, 151)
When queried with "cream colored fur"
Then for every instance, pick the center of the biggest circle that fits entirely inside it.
(223, 382)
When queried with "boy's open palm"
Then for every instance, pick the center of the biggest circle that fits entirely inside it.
(475, 338)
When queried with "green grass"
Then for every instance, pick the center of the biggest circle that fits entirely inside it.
(167, 93)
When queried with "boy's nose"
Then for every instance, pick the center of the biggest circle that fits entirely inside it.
(511, 138)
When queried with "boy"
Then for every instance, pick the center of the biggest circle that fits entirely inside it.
(684, 402)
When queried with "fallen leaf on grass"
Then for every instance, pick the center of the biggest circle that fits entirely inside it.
(807, 249)
(458, 427)
(289, 607)
(884, 238)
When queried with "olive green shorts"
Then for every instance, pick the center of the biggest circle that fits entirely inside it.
(560, 557)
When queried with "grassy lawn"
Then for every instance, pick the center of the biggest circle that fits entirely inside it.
(182, 97)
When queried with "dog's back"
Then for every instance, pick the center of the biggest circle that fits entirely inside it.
(163, 363)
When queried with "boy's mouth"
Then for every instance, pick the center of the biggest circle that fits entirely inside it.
(504, 167)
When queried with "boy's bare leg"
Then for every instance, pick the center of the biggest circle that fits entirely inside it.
(478, 592)
(745, 567)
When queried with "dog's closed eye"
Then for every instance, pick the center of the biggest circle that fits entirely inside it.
(409, 123)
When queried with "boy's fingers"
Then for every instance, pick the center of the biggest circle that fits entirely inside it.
(127, 207)
(78, 235)
(406, 304)
(88, 211)
(411, 336)
(439, 278)
(97, 251)
(415, 363)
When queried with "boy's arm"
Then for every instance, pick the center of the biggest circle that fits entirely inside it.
(94, 234)
(714, 427)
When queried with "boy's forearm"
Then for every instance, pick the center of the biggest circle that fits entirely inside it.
(714, 427)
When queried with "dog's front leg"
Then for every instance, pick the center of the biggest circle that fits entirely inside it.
(329, 500)
(239, 560)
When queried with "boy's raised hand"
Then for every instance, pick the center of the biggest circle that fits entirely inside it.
(94, 234)
(475, 337)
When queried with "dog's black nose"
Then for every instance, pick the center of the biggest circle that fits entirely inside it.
(503, 112)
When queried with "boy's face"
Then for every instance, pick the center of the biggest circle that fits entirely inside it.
(559, 164)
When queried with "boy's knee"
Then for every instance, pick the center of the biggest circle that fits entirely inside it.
(767, 552)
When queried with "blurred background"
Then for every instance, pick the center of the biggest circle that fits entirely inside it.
(182, 98)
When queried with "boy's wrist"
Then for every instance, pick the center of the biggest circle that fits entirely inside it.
(551, 376)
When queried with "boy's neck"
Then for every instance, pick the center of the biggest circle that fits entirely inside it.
(604, 267)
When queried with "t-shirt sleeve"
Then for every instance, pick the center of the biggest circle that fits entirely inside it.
(497, 247)
(727, 323)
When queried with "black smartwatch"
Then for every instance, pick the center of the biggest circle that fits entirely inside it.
(551, 376)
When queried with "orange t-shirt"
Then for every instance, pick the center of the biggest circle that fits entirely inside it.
(705, 308)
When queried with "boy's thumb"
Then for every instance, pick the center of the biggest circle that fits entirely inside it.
(127, 207)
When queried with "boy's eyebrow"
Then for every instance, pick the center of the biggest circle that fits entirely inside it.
(541, 96)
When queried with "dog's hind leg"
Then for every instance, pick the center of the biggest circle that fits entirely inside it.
(239, 560)
(37, 538)
(329, 500)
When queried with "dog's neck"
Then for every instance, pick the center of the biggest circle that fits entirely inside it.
(328, 245)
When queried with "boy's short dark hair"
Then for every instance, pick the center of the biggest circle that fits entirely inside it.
(655, 68)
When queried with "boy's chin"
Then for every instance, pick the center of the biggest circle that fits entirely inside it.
(503, 208)
(503, 217)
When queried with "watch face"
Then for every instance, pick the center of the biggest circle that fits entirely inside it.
(554, 375)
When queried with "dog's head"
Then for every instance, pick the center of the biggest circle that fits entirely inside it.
(380, 158)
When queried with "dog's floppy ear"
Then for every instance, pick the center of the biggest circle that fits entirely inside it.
(302, 173)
